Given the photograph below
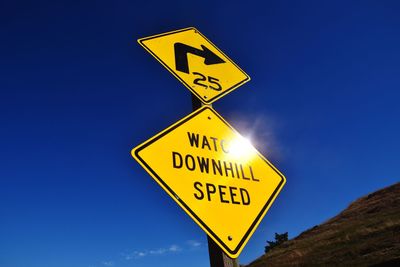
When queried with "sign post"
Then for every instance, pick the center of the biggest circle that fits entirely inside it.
(218, 258)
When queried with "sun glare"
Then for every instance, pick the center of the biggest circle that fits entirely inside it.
(241, 149)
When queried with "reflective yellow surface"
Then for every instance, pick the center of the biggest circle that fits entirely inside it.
(214, 174)
(209, 73)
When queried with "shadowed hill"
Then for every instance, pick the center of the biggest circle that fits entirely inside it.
(367, 233)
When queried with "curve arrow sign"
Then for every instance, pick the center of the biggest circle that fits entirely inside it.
(182, 50)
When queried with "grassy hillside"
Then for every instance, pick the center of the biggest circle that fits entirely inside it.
(367, 233)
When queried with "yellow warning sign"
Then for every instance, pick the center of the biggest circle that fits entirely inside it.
(196, 62)
(223, 183)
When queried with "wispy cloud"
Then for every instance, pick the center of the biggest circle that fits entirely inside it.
(153, 252)
(193, 244)
(159, 251)
(174, 248)
(186, 246)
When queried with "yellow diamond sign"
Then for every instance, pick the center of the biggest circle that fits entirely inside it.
(196, 62)
(222, 182)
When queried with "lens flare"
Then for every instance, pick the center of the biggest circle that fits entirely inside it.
(241, 149)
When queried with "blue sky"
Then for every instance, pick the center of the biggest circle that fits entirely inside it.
(78, 93)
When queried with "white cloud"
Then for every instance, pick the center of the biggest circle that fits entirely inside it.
(140, 254)
(193, 243)
(174, 248)
(152, 252)
(134, 255)
(108, 263)
(159, 251)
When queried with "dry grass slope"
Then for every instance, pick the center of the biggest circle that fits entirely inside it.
(367, 233)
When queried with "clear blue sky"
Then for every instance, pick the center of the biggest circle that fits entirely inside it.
(78, 93)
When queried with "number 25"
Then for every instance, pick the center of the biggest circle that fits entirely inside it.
(212, 82)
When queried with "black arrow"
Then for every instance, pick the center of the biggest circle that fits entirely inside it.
(181, 60)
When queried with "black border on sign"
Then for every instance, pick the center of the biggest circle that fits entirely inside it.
(199, 221)
(211, 100)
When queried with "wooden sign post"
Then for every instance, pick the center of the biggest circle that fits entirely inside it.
(218, 257)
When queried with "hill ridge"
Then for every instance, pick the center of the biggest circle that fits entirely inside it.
(366, 233)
